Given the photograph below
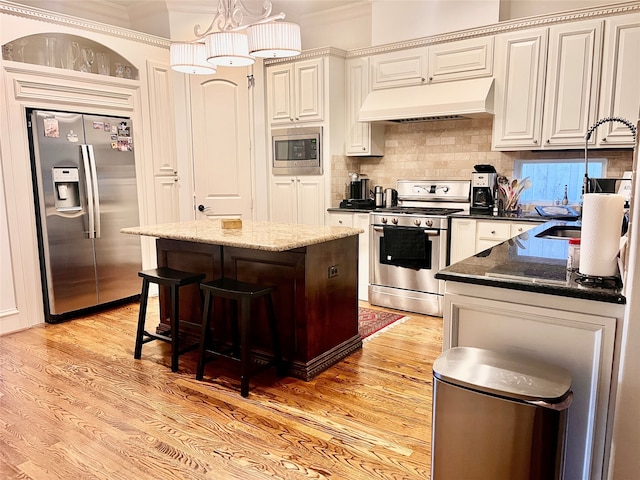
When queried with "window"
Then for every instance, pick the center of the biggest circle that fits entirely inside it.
(549, 178)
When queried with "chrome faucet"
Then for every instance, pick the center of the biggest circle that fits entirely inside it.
(586, 187)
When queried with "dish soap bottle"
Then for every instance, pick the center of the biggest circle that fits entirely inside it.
(573, 258)
(565, 199)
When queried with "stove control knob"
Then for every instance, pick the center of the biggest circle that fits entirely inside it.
(417, 222)
(429, 223)
(384, 220)
(394, 221)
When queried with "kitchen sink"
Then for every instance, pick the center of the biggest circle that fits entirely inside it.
(561, 232)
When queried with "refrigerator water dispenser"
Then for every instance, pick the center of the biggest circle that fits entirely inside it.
(66, 185)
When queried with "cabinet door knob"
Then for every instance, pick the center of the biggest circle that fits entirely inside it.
(548, 141)
(535, 141)
(493, 232)
(604, 139)
(364, 148)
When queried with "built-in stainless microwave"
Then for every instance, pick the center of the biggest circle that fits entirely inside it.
(297, 151)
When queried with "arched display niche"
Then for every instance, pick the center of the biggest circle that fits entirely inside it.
(70, 52)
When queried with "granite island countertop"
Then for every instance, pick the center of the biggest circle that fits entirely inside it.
(532, 264)
(269, 236)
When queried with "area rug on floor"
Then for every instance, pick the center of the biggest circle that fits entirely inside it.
(374, 322)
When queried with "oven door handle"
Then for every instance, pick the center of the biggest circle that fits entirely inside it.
(430, 233)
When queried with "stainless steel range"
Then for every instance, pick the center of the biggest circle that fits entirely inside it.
(409, 244)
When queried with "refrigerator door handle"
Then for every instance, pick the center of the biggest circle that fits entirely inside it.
(96, 195)
(87, 173)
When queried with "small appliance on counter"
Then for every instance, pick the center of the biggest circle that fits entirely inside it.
(390, 197)
(378, 196)
(359, 187)
(483, 185)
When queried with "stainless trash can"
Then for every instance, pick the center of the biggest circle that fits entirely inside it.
(497, 416)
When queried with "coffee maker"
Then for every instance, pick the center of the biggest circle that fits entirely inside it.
(483, 187)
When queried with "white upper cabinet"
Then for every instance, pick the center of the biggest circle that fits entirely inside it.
(295, 92)
(399, 69)
(620, 81)
(362, 138)
(546, 96)
(519, 88)
(572, 83)
(462, 59)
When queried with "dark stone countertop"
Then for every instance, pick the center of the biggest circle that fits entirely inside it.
(523, 217)
(349, 210)
(531, 264)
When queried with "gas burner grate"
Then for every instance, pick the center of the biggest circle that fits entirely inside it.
(418, 210)
(598, 282)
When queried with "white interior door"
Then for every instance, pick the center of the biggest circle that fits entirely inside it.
(222, 143)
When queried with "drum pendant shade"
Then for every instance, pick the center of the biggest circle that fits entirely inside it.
(228, 49)
(274, 40)
(190, 58)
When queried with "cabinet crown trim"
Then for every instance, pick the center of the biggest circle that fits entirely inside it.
(308, 54)
(33, 13)
(502, 27)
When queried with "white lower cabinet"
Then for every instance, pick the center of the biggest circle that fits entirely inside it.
(297, 199)
(576, 334)
(470, 236)
(357, 220)
(463, 239)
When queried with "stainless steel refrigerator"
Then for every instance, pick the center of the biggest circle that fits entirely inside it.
(83, 171)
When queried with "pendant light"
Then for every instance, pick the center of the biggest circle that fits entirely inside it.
(229, 42)
(190, 58)
(274, 40)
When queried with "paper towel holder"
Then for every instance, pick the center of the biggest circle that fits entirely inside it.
(586, 185)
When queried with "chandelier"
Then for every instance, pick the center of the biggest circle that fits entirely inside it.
(231, 43)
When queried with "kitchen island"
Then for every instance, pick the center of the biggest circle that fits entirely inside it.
(315, 270)
(518, 297)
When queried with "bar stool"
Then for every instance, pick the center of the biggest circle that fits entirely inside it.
(242, 294)
(174, 279)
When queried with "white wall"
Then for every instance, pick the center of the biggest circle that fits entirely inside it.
(512, 9)
(399, 20)
(347, 27)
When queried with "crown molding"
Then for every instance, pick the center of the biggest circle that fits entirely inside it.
(308, 54)
(502, 27)
(39, 14)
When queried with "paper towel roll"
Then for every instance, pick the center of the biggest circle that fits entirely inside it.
(601, 227)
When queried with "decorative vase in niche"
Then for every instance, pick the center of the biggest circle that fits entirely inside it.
(51, 52)
(102, 59)
(88, 58)
(19, 56)
(119, 70)
(70, 55)
(7, 52)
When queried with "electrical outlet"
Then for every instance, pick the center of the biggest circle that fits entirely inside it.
(333, 271)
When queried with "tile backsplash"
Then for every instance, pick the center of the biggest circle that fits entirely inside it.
(447, 150)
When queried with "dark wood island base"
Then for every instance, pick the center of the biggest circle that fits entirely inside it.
(315, 301)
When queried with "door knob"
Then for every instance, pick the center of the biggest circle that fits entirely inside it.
(201, 207)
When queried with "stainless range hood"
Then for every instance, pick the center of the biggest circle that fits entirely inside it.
(440, 101)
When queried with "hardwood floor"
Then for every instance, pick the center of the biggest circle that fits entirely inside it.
(75, 404)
